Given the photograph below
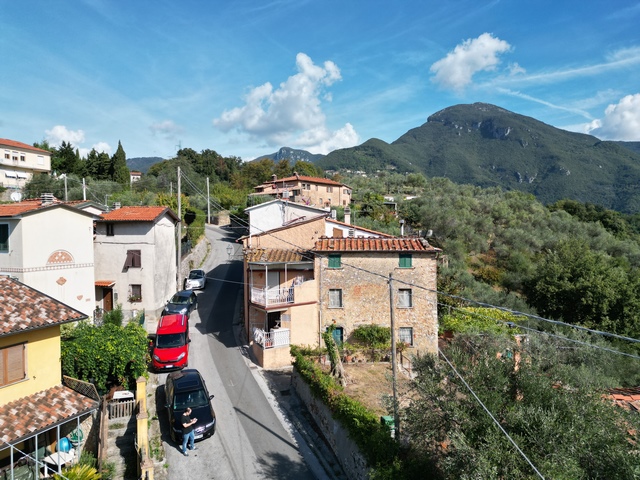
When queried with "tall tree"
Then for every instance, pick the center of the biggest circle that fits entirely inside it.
(66, 160)
(118, 170)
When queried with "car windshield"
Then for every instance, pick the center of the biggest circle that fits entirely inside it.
(179, 300)
(194, 398)
(196, 274)
(171, 340)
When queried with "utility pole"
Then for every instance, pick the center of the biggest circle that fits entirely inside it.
(208, 203)
(394, 368)
(84, 190)
(179, 235)
(66, 196)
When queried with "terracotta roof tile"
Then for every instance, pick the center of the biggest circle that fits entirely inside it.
(277, 256)
(12, 143)
(22, 308)
(28, 415)
(105, 283)
(137, 214)
(357, 244)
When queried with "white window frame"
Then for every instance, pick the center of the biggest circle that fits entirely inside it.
(405, 298)
(405, 333)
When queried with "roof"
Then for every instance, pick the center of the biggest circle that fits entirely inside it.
(174, 323)
(23, 308)
(380, 234)
(361, 244)
(33, 206)
(138, 214)
(628, 398)
(14, 144)
(29, 415)
(268, 255)
(105, 283)
(296, 205)
(284, 227)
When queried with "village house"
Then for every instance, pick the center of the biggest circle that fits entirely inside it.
(48, 245)
(312, 191)
(37, 408)
(135, 259)
(19, 162)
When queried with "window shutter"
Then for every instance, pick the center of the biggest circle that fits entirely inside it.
(12, 364)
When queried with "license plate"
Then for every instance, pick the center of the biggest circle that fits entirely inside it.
(198, 437)
(168, 366)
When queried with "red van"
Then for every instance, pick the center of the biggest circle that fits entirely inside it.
(171, 345)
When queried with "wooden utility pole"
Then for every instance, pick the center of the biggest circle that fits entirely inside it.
(208, 203)
(394, 368)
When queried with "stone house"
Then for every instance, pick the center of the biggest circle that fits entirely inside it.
(136, 259)
(37, 408)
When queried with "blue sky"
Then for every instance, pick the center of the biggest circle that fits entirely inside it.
(244, 78)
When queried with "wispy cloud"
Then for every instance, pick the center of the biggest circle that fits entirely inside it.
(166, 129)
(291, 114)
(515, 93)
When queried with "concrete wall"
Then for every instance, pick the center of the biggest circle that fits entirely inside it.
(347, 452)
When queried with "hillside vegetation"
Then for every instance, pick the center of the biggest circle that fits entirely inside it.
(487, 146)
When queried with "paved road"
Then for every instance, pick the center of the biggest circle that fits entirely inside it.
(251, 440)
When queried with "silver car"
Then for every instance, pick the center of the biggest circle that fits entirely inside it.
(196, 280)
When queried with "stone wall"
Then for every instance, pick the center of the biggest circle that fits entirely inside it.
(194, 259)
(346, 451)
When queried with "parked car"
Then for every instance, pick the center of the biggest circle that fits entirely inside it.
(197, 279)
(182, 302)
(186, 388)
(171, 343)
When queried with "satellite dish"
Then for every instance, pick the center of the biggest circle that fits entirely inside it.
(16, 196)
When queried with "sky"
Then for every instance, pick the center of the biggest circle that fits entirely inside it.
(246, 77)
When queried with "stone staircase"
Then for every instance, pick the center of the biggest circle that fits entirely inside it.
(121, 448)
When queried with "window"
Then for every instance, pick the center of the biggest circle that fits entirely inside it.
(109, 229)
(329, 189)
(405, 299)
(135, 293)
(7, 155)
(335, 261)
(134, 258)
(405, 335)
(405, 260)
(22, 157)
(40, 160)
(4, 237)
(14, 156)
(335, 298)
(13, 365)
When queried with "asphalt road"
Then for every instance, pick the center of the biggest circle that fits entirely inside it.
(252, 439)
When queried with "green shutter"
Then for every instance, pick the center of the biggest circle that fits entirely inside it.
(405, 260)
(335, 261)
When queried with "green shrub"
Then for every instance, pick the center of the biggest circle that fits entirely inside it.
(372, 335)
(478, 320)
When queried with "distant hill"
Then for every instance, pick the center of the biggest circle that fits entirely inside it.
(485, 145)
(142, 164)
(635, 146)
(292, 154)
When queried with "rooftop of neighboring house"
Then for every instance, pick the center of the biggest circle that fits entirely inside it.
(5, 142)
(379, 234)
(370, 244)
(628, 398)
(276, 255)
(138, 214)
(23, 309)
(33, 205)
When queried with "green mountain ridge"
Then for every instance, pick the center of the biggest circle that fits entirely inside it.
(488, 146)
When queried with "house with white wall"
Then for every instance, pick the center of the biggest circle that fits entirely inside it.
(19, 161)
(48, 245)
(312, 191)
(135, 258)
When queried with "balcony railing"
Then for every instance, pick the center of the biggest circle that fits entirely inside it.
(271, 296)
(280, 337)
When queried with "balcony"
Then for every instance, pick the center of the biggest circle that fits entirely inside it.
(268, 297)
(280, 337)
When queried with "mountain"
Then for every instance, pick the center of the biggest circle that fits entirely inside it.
(635, 146)
(142, 164)
(488, 146)
(292, 154)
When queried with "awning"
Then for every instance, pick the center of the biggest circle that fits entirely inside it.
(11, 174)
(105, 283)
(22, 174)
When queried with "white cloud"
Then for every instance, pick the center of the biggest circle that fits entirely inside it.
(291, 115)
(620, 122)
(166, 129)
(60, 133)
(456, 70)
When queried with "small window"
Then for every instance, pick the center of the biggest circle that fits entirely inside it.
(133, 259)
(13, 365)
(405, 335)
(335, 261)
(4, 237)
(405, 260)
(7, 155)
(135, 293)
(40, 160)
(22, 158)
(405, 299)
(335, 298)
(109, 229)
(329, 189)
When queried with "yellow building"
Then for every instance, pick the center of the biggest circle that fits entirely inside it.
(36, 408)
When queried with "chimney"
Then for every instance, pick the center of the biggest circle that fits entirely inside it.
(297, 176)
(274, 177)
(47, 198)
(347, 215)
(116, 205)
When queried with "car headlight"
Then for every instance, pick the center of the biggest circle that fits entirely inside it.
(181, 356)
(156, 358)
(209, 425)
